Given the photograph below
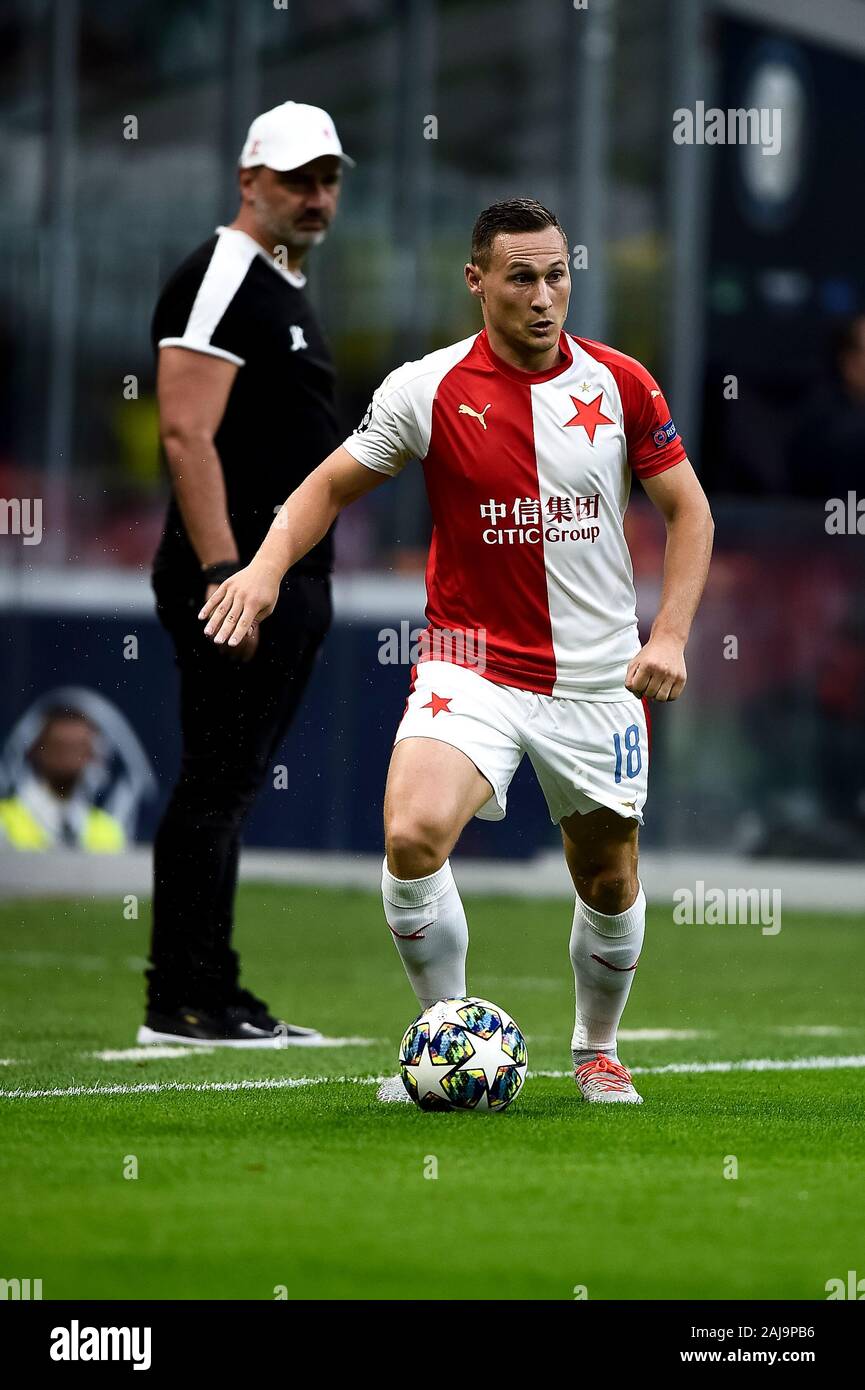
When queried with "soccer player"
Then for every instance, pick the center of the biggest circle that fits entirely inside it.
(529, 437)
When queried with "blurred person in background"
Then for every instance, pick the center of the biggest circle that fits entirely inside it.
(50, 807)
(245, 388)
(828, 448)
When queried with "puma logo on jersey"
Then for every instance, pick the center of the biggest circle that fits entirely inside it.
(478, 414)
(655, 393)
(297, 338)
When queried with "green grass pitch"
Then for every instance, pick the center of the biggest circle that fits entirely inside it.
(320, 1190)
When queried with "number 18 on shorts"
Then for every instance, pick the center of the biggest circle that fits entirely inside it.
(585, 753)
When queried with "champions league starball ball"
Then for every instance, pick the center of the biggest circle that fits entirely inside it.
(463, 1054)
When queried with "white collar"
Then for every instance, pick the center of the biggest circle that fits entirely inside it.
(51, 810)
(294, 277)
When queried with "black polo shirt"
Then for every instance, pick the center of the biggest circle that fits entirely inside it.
(232, 300)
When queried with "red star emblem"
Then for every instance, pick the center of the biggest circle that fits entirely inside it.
(589, 416)
(438, 703)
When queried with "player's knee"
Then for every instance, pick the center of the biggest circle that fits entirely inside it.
(607, 890)
(416, 845)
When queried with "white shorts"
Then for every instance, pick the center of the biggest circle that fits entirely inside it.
(585, 753)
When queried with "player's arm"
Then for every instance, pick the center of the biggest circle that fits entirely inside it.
(304, 518)
(658, 670)
(192, 389)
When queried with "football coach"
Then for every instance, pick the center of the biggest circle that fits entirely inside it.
(245, 387)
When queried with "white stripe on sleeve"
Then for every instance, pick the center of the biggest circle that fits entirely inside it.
(229, 263)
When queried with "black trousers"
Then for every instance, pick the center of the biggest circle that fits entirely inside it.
(233, 716)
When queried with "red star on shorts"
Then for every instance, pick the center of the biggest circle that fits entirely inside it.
(438, 703)
(589, 416)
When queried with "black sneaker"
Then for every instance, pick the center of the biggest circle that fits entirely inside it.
(234, 1026)
(245, 1008)
(194, 1027)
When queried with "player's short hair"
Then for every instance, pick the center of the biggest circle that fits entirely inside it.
(512, 215)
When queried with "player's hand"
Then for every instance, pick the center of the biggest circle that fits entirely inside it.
(248, 647)
(658, 671)
(236, 606)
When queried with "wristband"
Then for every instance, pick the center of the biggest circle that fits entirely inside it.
(222, 570)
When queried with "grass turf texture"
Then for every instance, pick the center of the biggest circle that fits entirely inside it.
(322, 1189)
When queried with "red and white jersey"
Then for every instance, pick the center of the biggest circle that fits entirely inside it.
(528, 476)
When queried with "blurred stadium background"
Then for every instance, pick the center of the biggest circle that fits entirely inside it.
(728, 272)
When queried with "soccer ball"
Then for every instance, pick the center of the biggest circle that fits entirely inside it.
(463, 1054)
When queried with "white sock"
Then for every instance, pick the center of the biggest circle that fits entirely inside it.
(429, 927)
(602, 989)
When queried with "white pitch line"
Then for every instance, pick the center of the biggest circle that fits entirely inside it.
(639, 1035)
(277, 1083)
(758, 1064)
(750, 1064)
(329, 1042)
(157, 1050)
(811, 1030)
(661, 1034)
(287, 1083)
(146, 1054)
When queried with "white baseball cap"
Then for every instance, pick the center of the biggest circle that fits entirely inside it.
(291, 135)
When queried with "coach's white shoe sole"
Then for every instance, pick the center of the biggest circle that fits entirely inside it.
(148, 1036)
